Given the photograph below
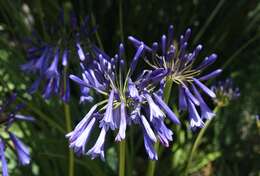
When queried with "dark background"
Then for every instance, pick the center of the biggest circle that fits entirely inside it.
(229, 28)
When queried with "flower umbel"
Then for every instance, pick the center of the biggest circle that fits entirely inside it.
(125, 102)
(8, 116)
(173, 56)
(225, 92)
(49, 57)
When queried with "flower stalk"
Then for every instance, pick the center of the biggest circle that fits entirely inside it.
(198, 141)
(122, 144)
(122, 147)
(68, 128)
(152, 164)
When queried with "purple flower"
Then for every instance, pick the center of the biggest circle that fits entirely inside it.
(8, 117)
(22, 117)
(180, 68)
(80, 52)
(167, 110)
(98, 148)
(137, 56)
(49, 59)
(82, 137)
(52, 71)
(65, 58)
(85, 97)
(133, 92)
(124, 103)
(3, 160)
(225, 92)
(164, 134)
(122, 128)
(108, 120)
(81, 125)
(147, 128)
(155, 111)
(148, 143)
(195, 119)
(206, 113)
(22, 151)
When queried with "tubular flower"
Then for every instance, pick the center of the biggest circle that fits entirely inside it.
(125, 102)
(182, 71)
(7, 118)
(225, 92)
(49, 57)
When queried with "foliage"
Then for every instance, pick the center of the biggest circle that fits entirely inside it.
(230, 146)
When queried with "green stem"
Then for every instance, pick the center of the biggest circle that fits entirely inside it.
(122, 158)
(69, 128)
(167, 90)
(197, 142)
(152, 163)
(68, 125)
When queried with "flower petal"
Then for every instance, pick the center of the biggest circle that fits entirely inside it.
(210, 75)
(121, 134)
(3, 160)
(167, 110)
(98, 148)
(108, 117)
(21, 149)
(148, 143)
(148, 129)
(204, 88)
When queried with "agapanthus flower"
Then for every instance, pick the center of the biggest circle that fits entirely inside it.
(125, 102)
(49, 57)
(9, 116)
(174, 56)
(225, 92)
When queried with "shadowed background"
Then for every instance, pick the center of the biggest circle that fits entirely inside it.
(229, 28)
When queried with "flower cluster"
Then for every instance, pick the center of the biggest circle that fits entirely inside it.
(140, 101)
(125, 102)
(49, 57)
(171, 55)
(7, 118)
(225, 92)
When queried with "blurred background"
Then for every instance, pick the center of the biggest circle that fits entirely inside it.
(230, 28)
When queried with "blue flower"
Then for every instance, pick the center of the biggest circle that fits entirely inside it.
(49, 58)
(22, 151)
(122, 127)
(3, 160)
(9, 116)
(108, 120)
(179, 65)
(80, 135)
(126, 102)
(155, 111)
(98, 148)
(148, 143)
(225, 92)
